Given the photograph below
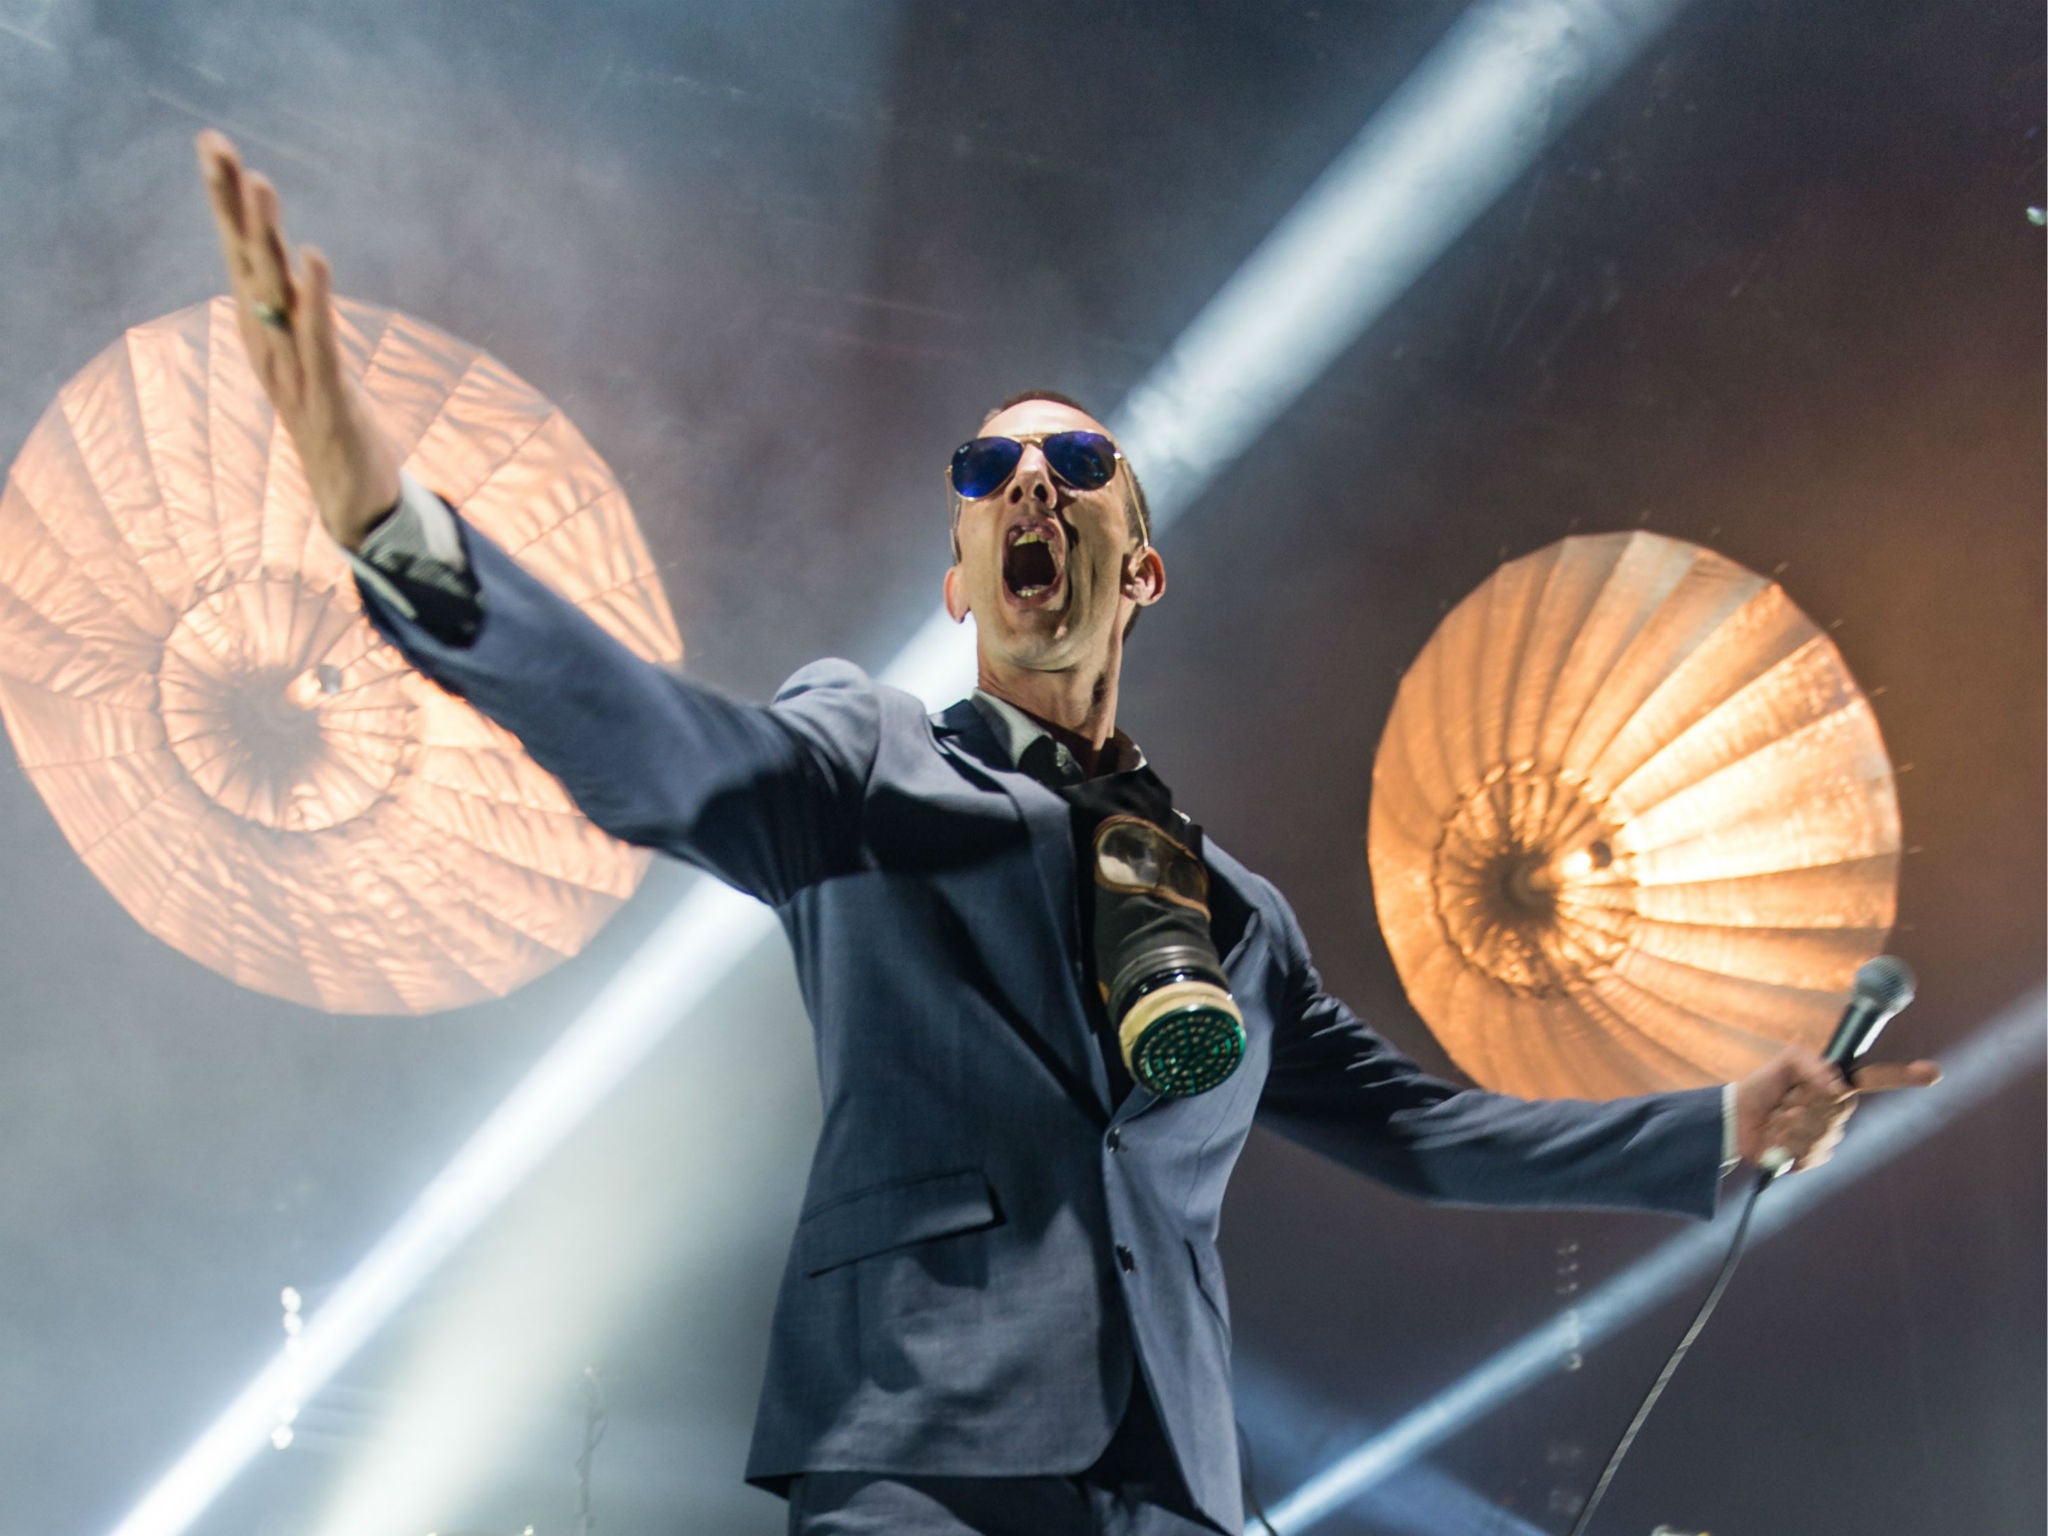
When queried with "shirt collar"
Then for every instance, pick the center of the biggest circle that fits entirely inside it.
(1018, 733)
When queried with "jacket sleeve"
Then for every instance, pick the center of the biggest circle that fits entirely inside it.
(1336, 1086)
(766, 797)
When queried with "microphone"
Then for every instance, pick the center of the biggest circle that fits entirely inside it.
(1884, 986)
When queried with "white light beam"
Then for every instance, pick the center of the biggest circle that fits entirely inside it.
(710, 931)
(1504, 81)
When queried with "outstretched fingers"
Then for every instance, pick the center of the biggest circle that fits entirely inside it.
(284, 307)
(267, 296)
(1883, 1077)
(314, 318)
(220, 168)
(271, 266)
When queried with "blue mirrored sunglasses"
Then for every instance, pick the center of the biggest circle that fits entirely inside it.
(1084, 460)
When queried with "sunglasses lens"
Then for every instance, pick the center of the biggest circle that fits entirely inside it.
(1085, 460)
(982, 465)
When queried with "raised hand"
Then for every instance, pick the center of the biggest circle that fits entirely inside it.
(287, 322)
(1798, 1103)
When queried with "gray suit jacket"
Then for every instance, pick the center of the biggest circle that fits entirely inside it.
(989, 1247)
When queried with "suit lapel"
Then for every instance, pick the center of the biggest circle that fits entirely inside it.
(1055, 962)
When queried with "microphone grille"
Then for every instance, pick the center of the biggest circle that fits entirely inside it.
(1886, 982)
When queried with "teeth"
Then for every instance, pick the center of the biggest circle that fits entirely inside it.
(1018, 538)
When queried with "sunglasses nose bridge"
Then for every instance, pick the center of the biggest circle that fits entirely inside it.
(1033, 478)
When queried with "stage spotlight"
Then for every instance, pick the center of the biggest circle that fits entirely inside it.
(188, 678)
(1633, 825)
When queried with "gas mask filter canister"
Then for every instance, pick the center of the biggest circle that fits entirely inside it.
(1169, 1001)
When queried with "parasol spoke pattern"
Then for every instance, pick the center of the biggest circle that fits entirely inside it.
(1633, 825)
(190, 683)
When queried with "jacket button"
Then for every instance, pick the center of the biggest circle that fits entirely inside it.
(1125, 1259)
(1116, 1139)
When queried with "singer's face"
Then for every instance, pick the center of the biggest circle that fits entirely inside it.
(1050, 572)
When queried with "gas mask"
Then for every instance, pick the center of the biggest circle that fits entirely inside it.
(1177, 1024)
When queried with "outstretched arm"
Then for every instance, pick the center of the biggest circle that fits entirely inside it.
(1337, 1086)
(765, 797)
(768, 798)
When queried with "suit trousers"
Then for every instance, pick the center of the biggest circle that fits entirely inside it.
(1133, 1489)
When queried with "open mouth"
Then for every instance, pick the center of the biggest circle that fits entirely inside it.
(1033, 555)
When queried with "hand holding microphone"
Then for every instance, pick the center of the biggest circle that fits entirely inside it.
(1790, 1112)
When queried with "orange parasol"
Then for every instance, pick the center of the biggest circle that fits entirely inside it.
(188, 677)
(1633, 826)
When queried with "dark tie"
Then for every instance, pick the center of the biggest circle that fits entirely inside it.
(1042, 761)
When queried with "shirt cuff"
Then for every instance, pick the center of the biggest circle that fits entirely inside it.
(416, 539)
(414, 565)
(1729, 1156)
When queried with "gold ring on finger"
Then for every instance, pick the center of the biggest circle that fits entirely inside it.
(273, 317)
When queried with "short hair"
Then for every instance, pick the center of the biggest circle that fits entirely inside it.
(1137, 510)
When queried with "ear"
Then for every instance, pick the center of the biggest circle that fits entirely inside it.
(1144, 577)
(956, 600)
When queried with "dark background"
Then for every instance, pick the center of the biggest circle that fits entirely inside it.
(1776, 291)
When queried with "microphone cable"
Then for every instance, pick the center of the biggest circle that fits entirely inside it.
(1883, 987)
(1664, 1376)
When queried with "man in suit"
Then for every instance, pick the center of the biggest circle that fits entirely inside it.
(1003, 1310)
